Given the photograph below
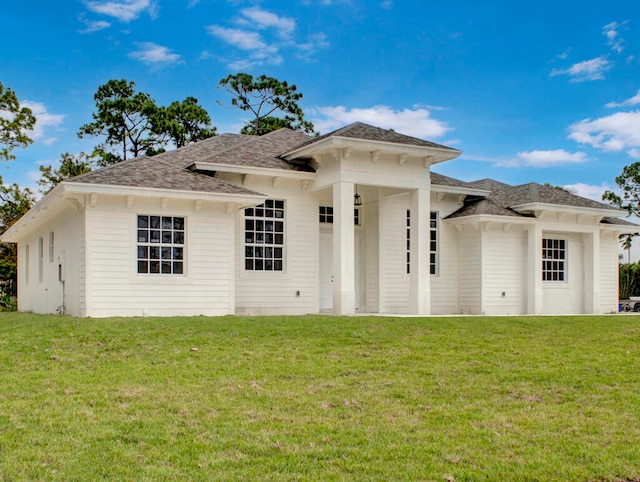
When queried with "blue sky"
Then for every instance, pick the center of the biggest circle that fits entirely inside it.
(529, 91)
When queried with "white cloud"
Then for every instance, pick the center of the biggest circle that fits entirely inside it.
(93, 26)
(263, 35)
(540, 158)
(262, 19)
(44, 122)
(386, 4)
(241, 39)
(154, 54)
(589, 191)
(125, 11)
(614, 133)
(635, 100)
(613, 37)
(417, 122)
(593, 69)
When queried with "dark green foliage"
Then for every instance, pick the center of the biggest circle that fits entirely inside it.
(13, 124)
(263, 97)
(135, 125)
(14, 202)
(184, 122)
(70, 166)
(124, 117)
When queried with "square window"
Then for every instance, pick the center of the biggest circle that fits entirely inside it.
(160, 242)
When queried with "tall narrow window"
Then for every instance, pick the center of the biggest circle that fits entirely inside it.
(51, 246)
(264, 236)
(408, 223)
(433, 242)
(161, 244)
(40, 260)
(554, 257)
(26, 264)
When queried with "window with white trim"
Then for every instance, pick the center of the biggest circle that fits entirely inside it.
(26, 264)
(264, 236)
(554, 259)
(161, 244)
(51, 246)
(433, 242)
(40, 260)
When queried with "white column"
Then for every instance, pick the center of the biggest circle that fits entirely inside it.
(419, 278)
(344, 291)
(592, 272)
(534, 271)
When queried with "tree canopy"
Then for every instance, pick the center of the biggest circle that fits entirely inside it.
(134, 125)
(184, 122)
(70, 166)
(264, 97)
(15, 121)
(14, 202)
(124, 117)
(629, 182)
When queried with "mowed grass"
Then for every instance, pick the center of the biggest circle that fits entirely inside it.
(320, 398)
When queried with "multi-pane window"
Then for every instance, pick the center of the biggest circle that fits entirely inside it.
(161, 244)
(433, 242)
(326, 215)
(554, 259)
(408, 226)
(264, 236)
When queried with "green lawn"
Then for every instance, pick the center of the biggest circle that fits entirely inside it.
(320, 398)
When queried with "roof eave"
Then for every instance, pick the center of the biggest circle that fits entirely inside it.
(260, 171)
(459, 190)
(538, 207)
(307, 151)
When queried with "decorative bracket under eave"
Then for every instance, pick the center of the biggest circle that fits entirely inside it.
(346, 153)
(375, 155)
(439, 196)
(402, 158)
(230, 208)
(93, 199)
(428, 160)
(304, 184)
(197, 206)
(130, 200)
(164, 203)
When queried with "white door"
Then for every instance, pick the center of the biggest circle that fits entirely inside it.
(326, 271)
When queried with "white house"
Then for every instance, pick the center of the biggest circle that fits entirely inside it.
(349, 222)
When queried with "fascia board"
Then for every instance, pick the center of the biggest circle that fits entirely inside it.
(460, 190)
(47, 202)
(88, 188)
(569, 209)
(474, 218)
(365, 144)
(259, 171)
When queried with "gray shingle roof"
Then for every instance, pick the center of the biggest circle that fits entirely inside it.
(441, 180)
(262, 151)
(503, 198)
(360, 130)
